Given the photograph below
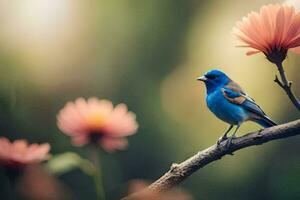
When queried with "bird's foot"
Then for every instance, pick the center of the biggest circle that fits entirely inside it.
(229, 141)
(221, 139)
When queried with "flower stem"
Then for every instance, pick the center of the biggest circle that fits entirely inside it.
(97, 173)
(286, 85)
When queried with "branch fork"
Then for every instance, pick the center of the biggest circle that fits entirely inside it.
(286, 85)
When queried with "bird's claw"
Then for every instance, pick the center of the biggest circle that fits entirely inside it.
(229, 141)
(221, 139)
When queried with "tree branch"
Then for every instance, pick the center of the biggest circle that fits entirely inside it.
(286, 85)
(179, 172)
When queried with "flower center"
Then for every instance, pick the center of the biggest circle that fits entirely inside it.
(96, 121)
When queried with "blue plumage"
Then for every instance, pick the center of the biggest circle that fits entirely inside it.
(227, 100)
(224, 109)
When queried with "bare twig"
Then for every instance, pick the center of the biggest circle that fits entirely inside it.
(286, 85)
(276, 80)
(179, 172)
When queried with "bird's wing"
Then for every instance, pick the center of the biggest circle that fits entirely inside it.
(236, 88)
(240, 98)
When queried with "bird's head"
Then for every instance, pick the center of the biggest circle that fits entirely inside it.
(214, 79)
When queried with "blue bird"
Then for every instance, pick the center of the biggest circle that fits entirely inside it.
(227, 100)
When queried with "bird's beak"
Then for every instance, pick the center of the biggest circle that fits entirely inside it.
(202, 78)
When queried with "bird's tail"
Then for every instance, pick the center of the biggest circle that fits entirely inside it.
(265, 122)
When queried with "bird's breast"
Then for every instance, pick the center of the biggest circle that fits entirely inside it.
(225, 110)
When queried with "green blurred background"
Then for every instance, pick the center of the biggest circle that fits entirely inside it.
(146, 54)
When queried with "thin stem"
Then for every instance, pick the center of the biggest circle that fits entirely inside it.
(286, 85)
(97, 173)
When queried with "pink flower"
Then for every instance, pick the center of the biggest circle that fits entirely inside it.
(273, 31)
(97, 121)
(19, 153)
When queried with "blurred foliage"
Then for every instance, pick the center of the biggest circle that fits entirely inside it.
(146, 54)
(65, 162)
